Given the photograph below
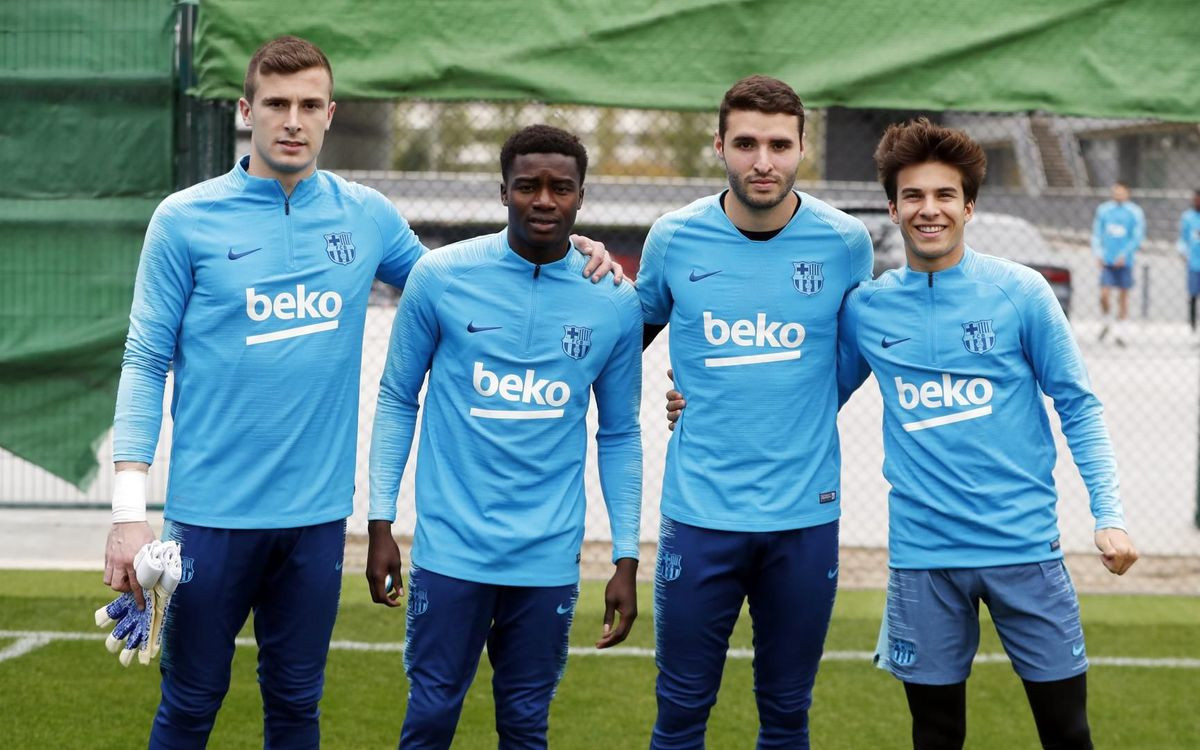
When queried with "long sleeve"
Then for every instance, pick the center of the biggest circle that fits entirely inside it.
(652, 285)
(414, 338)
(1060, 372)
(160, 296)
(852, 367)
(401, 248)
(618, 391)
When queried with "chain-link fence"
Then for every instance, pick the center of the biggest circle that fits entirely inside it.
(439, 163)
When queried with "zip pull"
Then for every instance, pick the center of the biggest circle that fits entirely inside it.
(287, 207)
(537, 271)
(931, 279)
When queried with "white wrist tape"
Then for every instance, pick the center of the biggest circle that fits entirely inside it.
(129, 496)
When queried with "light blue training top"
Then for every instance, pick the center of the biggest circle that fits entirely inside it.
(962, 358)
(1118, 231)
(257, 301)
(1189, 238)
(753, 339)
(511, 350)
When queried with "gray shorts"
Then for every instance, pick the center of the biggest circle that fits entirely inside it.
(930, 631)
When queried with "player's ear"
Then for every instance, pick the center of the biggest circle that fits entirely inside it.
(893, 213)
(244, 109)
(718, 146)
(579, 203)
(503, 194)
(329, 115)
(968, 211)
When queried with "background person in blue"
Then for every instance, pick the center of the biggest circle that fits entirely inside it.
(750, 281)
(963, 345)
(1117, 235)
(512, 338)
(253, 287)
(1189, 247)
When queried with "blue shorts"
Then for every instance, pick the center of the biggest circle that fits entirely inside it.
(931, 623)
(1121, 278)
(1193, 283)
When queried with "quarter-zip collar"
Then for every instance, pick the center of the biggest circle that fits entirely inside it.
(271, 189)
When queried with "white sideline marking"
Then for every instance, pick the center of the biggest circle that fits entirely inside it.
(22, 646)
(28, 640)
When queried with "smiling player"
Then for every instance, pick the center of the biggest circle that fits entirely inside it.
(963, 346)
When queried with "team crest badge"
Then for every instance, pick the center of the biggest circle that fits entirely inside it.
(189, 569)
(576, 341)
(418, 601)
(807, 277)
(339, 248)
(903, 652)
(978, 336)
(670, 566)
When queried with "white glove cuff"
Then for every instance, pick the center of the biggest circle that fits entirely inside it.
(129, 496)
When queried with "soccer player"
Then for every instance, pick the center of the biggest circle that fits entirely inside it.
(963, 345)
(254, 287)
(1117, 234)
(1189, 247)
(750, 281)
(512, 339)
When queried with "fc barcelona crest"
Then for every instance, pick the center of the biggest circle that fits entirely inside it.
(670, 566)
(978, 336)
(418, 601)
(339, 248)
(188, 569)
(807, 277)
(576, 341)
(904, 652)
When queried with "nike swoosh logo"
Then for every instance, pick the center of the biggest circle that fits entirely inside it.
(563, 610)
(1077, 650)
(235, 256)
(472, 328)
(888, 344)
(832, 573)
(699, 277)
(338, 566)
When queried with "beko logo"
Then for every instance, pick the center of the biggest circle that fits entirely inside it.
(300, 305)
(759, 332)
(948, 393)
(528, 389)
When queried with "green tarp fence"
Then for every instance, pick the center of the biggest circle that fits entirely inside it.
(1102, 58)
(86, 141)
(86, 145)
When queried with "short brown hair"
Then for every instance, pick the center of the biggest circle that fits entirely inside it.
(919, 141)
(760, 94)
(285, 54)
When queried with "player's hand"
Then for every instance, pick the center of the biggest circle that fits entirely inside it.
(600, 261)
(1116, 550)
(620, 597)
(383, 565)
(124, 542)
(675, 403)
(1119, 262)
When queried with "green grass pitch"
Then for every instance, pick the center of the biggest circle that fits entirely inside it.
(73, 694)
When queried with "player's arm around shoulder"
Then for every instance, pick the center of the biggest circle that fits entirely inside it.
(852, 367)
